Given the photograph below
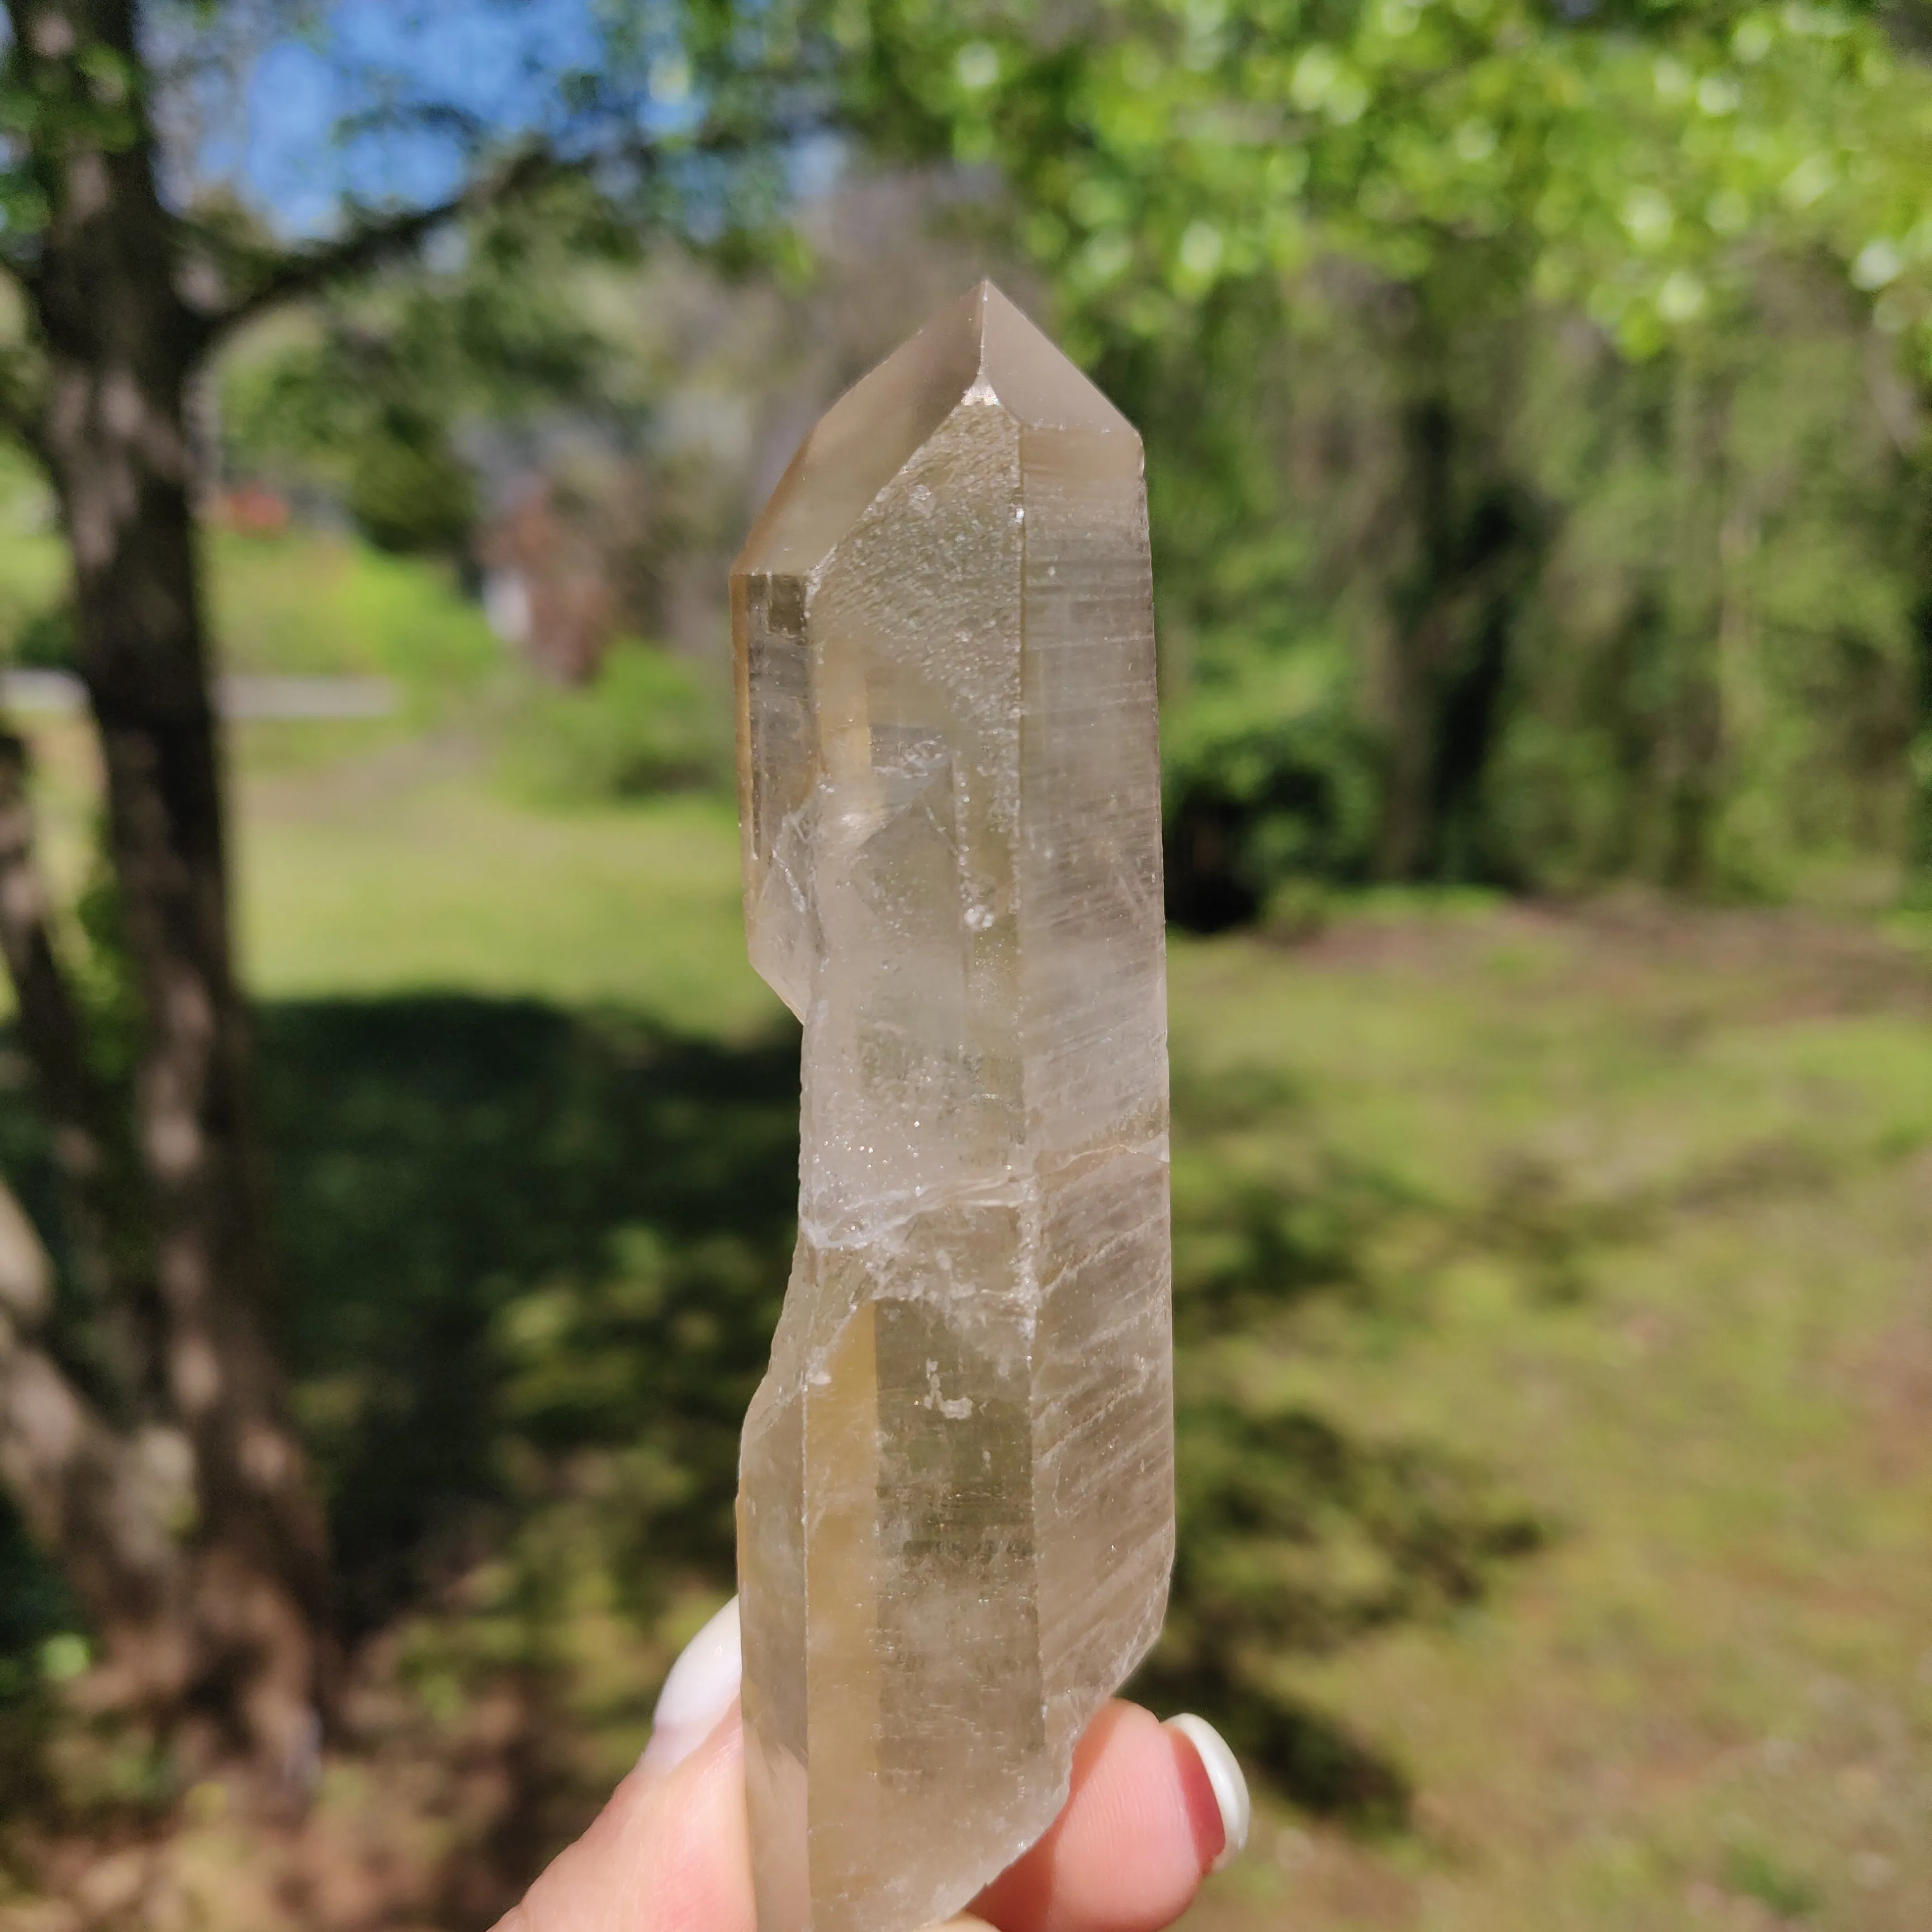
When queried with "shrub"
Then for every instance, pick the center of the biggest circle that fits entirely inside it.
(1270, 780)
(647, 724)
(412, 496)
(45, 641)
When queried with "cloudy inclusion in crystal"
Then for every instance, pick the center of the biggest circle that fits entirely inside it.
(956, 1504)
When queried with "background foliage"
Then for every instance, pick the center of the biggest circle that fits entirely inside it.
(1533, 407)
(1535, 403)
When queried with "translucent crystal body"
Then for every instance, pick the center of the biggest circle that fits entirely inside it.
(955, 1506)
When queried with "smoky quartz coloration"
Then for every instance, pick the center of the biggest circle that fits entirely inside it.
(956, 1500)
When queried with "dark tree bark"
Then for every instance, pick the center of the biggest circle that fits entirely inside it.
(1474, 540)
(170, 1485)
(53, 1032)
(100, 1499)
(120, 345)
(1692, 752)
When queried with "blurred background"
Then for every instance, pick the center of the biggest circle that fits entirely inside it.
(1535, 403)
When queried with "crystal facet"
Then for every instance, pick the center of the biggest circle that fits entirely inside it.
(956, 1503)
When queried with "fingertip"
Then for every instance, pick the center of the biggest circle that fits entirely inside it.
(702, 1686)
(1219, 1804)
(1128, 1852)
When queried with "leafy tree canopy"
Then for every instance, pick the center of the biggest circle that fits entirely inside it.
(1621, 158)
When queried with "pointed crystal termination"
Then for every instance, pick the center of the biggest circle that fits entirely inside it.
(956, 1499)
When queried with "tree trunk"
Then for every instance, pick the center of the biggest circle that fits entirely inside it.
(122, 347)
(120, 1338)
(1425, 630)
(1695, 752)
(101, 1501)
(1474, 541)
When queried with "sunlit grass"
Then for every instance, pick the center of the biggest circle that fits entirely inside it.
(1640, 1214)
(1627, 1213)
(306, 603)
(352, 883)
(313, 604)
(1664, 1273)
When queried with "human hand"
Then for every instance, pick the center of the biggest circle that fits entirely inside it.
(1154, 1808)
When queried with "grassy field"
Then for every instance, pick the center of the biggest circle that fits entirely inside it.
(303, 602)
(1663, 1264)
(377, 879)
(1641, 1227)
(1622, 1217)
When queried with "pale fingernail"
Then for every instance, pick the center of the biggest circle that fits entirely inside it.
(1225, 1776)
(697, 1693)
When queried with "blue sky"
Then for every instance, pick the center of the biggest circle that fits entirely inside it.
(503, 61)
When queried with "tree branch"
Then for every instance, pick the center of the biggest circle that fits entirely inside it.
(100, 1504)
(284, 278)
(20, 399)
(51, 1441)
(51, 1028)
(26, 1276)
(119, 1295)
(49, 1017)
(369, 244)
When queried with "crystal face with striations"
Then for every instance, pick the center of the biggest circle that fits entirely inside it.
(956, 1504)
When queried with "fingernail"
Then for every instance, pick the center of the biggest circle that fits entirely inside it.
(1225, 1779)
(697, 1693)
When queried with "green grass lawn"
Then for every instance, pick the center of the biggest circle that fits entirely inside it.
(305, 603)
(1659, 1255)
(312, 604)
(377, 879)
(1616, 1222)
(1629, 1213)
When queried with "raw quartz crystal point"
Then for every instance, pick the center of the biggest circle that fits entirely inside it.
(956, 1497)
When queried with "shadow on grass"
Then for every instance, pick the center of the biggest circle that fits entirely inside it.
(1299, 1533)
(532, 1261)
(510, 1230)
(1297, 1539)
